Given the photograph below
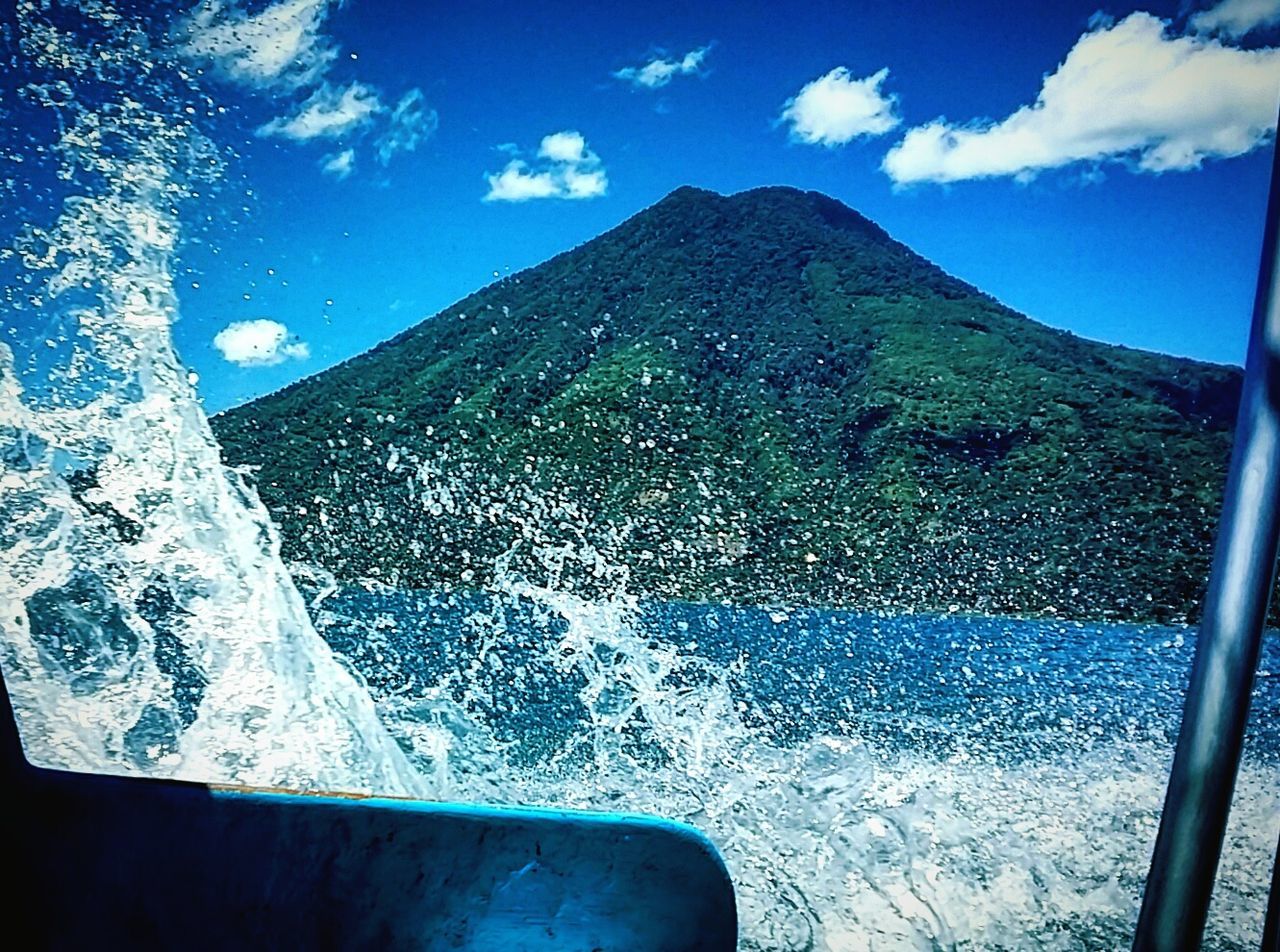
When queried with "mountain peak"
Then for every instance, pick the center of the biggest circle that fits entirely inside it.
(698, 236)
(774, 200)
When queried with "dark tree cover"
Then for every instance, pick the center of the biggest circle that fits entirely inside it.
(759, 398)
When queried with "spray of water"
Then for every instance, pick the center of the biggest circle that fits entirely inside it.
(147, 624)
(833, 843)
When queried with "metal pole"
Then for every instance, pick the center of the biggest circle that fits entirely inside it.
(1271, 929)
(1208, 754)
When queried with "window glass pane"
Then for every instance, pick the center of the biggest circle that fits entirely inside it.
(652, 410)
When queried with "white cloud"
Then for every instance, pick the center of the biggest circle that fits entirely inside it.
(339, 164)
(410, 124)
(566, 146)
(579, 182)
(1128, 91)
(328, 113)
(280, 46)
(659, 71)
(1237, 18)
(516, 183)
(568, 169)
(259, 343)
(836, 108)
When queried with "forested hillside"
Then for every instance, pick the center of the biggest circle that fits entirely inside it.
(758, 398)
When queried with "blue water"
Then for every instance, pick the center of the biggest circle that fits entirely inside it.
(939, 781)
(1001, 687)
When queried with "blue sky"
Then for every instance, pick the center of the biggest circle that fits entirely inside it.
(372, 138)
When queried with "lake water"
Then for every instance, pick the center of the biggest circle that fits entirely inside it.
(933, 781)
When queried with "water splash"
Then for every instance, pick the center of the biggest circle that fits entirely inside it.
(148, 623)
(833, 842)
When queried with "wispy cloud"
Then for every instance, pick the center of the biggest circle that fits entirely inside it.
(328, 113)
(281, 46)
(259, 343)
(339, 164)
(836, 108)
(565, 168)
(410, 124)
(1132, 91)
(1237, 18)
(659, 71)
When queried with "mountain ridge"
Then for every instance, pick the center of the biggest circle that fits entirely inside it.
(866, 429)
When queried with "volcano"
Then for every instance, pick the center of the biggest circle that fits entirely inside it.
(759, 398)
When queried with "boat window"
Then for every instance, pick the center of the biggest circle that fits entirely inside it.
(814, 434)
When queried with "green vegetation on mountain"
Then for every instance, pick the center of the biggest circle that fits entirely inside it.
(759, 398)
